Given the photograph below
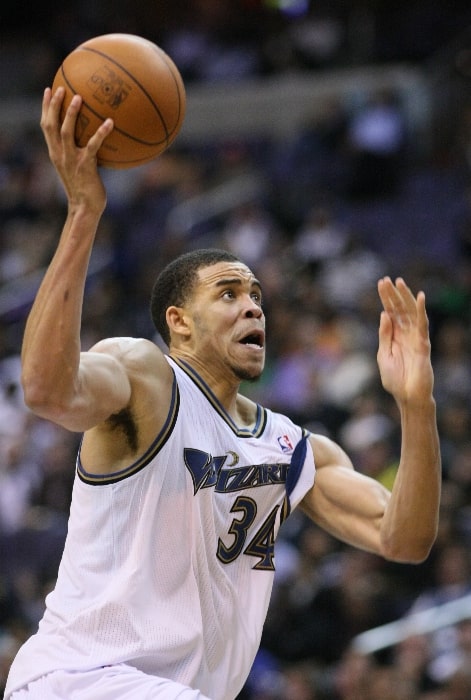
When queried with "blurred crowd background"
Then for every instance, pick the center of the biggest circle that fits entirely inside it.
(375, 183)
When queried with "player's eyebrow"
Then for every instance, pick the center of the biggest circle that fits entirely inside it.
(236, 280)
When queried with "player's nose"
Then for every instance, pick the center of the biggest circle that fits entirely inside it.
(252, 309)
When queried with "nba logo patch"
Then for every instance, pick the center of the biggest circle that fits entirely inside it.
(285, 443)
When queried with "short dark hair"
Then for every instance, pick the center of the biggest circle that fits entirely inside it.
(176, 282)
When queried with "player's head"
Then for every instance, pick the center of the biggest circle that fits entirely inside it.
(176, 282)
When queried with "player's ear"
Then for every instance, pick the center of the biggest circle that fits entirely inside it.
(178, 322)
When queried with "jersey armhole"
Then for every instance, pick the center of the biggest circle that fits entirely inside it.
(146, 457)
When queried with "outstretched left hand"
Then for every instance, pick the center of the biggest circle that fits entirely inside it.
(404, 343)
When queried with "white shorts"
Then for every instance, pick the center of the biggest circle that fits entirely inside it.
(119, 682)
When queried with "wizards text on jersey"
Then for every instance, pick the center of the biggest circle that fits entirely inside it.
(206, 471)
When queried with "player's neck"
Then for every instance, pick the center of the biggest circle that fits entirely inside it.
(223, 386)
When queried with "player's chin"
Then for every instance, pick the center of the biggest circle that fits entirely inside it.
(249, 372)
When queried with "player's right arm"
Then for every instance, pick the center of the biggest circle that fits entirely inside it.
(76, 390)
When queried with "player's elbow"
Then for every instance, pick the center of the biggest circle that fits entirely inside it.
(39, 404)
(409, 555)
(409, 550)
(408, 537)
(41, 399)
(35, 396)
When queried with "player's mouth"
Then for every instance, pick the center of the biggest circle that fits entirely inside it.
(255, 339)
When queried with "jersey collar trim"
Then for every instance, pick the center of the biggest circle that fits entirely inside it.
(261, 415)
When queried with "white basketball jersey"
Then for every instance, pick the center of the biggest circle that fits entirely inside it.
(168, 565)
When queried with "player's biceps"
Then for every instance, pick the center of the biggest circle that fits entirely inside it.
(320, 508)
(103, 382)
(341, 493)
(352, 525)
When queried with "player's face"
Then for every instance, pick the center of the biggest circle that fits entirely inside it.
(228, 321)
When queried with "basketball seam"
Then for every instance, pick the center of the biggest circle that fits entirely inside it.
(168, 133)
(116, 63)
(116, 128)
(170, 67)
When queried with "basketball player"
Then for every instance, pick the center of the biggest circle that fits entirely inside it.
(181, 482)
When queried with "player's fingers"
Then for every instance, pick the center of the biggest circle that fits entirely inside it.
(422, 316)
(51, 105)
(397, 298)
(70, 119)
(398, 302)
(383, 284)
(99, 136)
(45, 108)
(385, 330)
(389, 295)
(408, 300)
(47, 96)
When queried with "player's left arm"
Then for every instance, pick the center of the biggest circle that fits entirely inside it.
(400, 525)
(347, 504)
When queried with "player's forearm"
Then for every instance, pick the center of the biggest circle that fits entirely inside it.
(409, 525)
(51, 342)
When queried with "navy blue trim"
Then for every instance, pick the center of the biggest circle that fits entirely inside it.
(296, 466)
(261, 416)
(149, 454)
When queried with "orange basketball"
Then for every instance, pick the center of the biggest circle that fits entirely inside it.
(131, 80)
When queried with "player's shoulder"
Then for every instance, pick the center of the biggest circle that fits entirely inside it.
(328, 452)
(126, 346)
(134, 353)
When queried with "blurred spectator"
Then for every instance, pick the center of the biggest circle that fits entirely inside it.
(317, 38)
(452, 580)
(215, 41)
(369, 439)
(452, 367)
(249, 232)
(312, 165)
(321, 237)
(351, 677)
(293, 384)
(19, 478)
(454, 421)
(300, 683)
(345, 279)
(456, 663)
(319, 622)
(411, 657)
(386, 682)
(463, 137)
(377, 139)
(460, 471)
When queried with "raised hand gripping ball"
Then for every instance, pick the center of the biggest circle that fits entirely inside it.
(133, 81)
